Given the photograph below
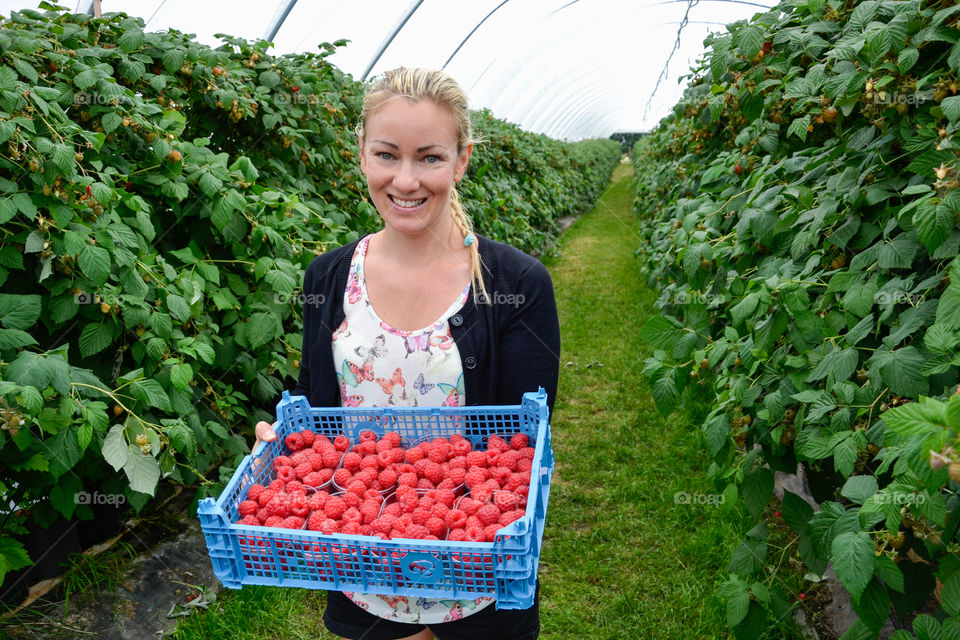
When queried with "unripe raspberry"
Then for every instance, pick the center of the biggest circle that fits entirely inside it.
(955, 472)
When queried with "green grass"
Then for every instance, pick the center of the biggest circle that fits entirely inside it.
(620, 559)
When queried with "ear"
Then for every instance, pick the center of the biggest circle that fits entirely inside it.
(463, 160)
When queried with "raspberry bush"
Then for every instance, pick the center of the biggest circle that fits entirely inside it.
(800, 211)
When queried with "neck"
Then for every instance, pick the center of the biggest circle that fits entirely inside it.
(438, 244)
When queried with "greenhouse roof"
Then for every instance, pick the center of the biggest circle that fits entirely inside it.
(571, 69)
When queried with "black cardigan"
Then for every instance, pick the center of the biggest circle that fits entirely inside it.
(507, 347)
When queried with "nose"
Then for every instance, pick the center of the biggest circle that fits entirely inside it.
(406, 178)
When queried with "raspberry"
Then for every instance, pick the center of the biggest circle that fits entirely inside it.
(341, 443)
(528, 453)
(515, 482)
(436, 527)
(351, 528)
(351, 499)
(397, 455)
(308, 437)
(262, 514)
(342, 477)
(334, 507)
(326, 475)
(370, 462)
(278, 506)
(414, 454)
(439, 510)
(357, 487)
(273, 521)
(318, 519)
(281, 461)
(292, 522)
(383, 445)
(433, 471)
(460, 446)
(369, 510)
(249, 520)
(331, 458)
(407, 479)
(299, 458)
(501, 475)
(447, 483)
(457, 535)
(248, 508)
(352, 515)
(420, 515)
(510, 516)
(417, 531)
(266, 496)
(294, 441)
(493, 457)
(286, 474)
(505, 500)
(490, 532)
(455, 519)
(423, 483)
(482, 494)
(509, 459)
(519, 441)
(488, 514)
(394, 509)
(302, 470)
(468, 505)
(476, 459)
(475, 476)
(446, 496)
(321, 442)
(368, 436)
(384, 524)
(317, 500)
(368, 448)
(299, 506)
(385, 458)
(315, 460)
(496, 443)
(524, 464)
(457, 475)
(387, 479)
(277, 485)
(254, 491)
(313, 479)
(352, 460)
(474, 533)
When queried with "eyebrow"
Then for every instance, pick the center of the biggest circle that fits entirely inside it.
(419, 150)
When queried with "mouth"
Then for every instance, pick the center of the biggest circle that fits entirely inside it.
(407, 204)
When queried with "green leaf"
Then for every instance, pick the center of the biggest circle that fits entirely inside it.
(917, 419)
(95, 263)
(873, 606)
(64, 451)
(951, 108)
(837, 366)
(178, 307)
(750, 41)
(858, 488)
(748, 558)
(114, 449)
(180, 376)
(796, 512)
(12, 556)
(853, 560)
(757, 490)
(889, 572)
(799, 127)
(19, 311)
(151, 393)
(142, 469)
(131, 39)
(664, 387)
(950, 595)
(63, 495)
(280, 281)
(262, 328)
(901, 370)
(933, 223)
(737, 606)
(95, 337)
(907, 58)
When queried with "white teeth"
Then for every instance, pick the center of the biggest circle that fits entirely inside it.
(409, 204)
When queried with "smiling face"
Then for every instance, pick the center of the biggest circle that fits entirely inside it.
(410, 158)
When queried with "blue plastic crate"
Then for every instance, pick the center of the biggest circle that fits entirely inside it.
(505, 569)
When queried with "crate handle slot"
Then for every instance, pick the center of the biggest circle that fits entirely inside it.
(422, 568)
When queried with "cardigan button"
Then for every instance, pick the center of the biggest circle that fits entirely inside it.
(456, 320)
(470, 362)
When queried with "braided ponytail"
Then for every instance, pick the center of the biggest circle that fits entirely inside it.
(418, 84)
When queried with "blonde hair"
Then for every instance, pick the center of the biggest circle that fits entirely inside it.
(416, 84)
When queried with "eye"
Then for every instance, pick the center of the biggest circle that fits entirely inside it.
(431, 159)
(384, 155)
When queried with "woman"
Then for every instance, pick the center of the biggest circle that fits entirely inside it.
(424, 312)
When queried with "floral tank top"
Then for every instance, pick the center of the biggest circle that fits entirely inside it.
(380, 366)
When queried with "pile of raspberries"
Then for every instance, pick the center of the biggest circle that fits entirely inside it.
(439, 489)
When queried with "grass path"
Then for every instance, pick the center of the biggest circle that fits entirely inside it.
(621, 560)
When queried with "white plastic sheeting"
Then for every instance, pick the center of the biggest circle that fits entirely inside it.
(572, 69)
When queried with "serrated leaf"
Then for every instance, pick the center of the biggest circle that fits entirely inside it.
(853, 560)
(757, 490)
(178, 307)
(63, 495)
(950, 595)
(951, 108)
(114, 448)
(799, 127)
(95, 337)
(142, 469)
(917, 419)
(181, 375)
(858, 488)
(151, 393)
(796, 512)
(95, 263)
(262, 328)
(933, 223)
(748, 558)
(907, 58)
(737, 606)
(19, 311)
(64, 451)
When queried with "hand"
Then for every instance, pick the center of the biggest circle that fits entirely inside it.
(264, 431)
